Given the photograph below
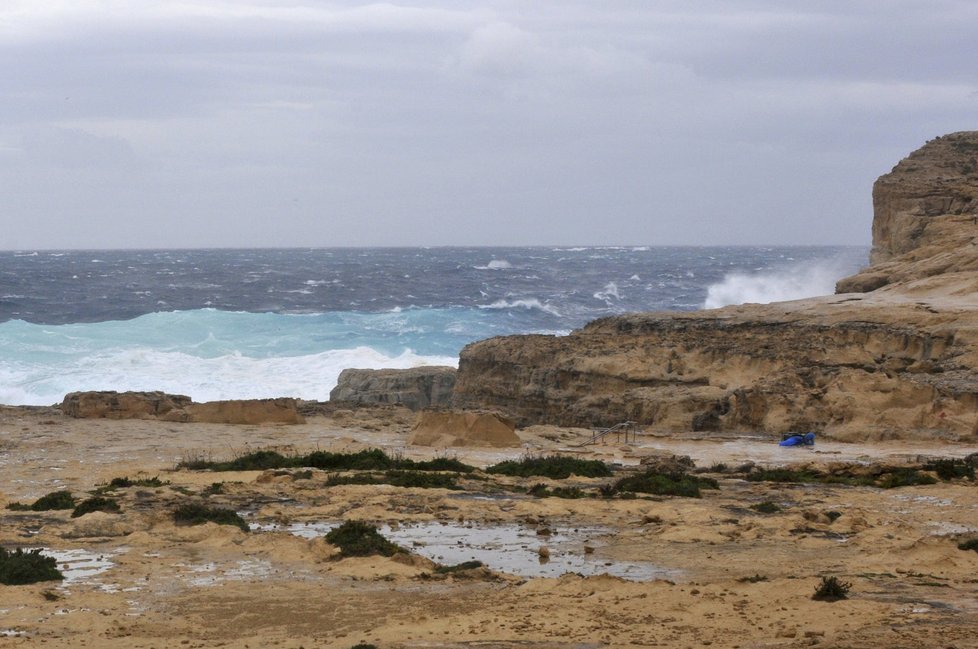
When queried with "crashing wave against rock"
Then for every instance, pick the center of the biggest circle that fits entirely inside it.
(895, 354)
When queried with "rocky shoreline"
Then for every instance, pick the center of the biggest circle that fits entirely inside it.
(179, 524)
(894, 354)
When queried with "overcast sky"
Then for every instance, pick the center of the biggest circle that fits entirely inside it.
(205, 123)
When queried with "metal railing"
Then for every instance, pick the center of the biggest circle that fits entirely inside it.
(625, 429)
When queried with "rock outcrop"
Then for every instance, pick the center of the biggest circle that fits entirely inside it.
(897, 361)
(414, 388)
(445, 428)
(179, 408)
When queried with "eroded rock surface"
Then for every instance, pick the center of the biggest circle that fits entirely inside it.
(414, 388)
(898, 361)
(179, 408)
(445, 428)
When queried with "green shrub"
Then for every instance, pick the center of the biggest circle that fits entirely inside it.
(542, 491)
(95, 504)
(766, 507)
(19, 567)
(53, 500)
(197, 514)
(556, 467)
(663, 484)
(359, 539)
(831, 590)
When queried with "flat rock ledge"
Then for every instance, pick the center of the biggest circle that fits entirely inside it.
(179, 408)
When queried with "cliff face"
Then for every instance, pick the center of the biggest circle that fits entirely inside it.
(901, 360)
(925, 214)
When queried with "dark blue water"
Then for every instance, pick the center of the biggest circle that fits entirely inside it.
(253, 323)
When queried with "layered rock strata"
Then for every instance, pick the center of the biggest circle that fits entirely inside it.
(897, 359)
(414, 388)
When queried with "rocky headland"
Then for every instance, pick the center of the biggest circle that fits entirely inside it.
(894, 353)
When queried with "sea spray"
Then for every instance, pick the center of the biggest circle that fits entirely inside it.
(788, 282)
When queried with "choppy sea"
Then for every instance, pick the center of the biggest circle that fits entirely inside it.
(228, 324)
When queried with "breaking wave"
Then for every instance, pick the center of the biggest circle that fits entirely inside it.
(792, 282)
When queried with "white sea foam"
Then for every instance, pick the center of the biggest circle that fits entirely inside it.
(777, 285)
(496, 264)
(531, 303)
(609, 292)
(231, 376)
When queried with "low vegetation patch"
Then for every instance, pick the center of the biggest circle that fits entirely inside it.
(881, 477)
(663, 484)
(542, 491)
(555, 467)
(126, 482)
(952, 469)
(766, 507)
(95, 504)
(19, 567)
(359, 539)
(369, 460)
(51, 501)
(752, 580)
(197, 514)
(405, 479)
(970, 544)
(459, 567)
(831, 590)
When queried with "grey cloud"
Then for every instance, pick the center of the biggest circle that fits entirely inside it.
(346, 123)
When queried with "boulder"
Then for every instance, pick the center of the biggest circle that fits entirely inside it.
(122, 405)
(415, 388)
(443, 428)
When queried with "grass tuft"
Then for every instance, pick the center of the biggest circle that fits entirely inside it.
(831, 590)
(766, 507)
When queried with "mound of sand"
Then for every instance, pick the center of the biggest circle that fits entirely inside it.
(467, 428)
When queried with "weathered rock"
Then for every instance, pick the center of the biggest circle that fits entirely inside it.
(122, 405)
(453, 428)
(415, 388)
(178, 408)
(240, 411)
(899, 361)
(925, 216)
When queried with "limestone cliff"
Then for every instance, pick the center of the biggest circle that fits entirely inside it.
(899, 361)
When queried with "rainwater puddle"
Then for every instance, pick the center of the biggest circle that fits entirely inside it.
(80, 566)
(208, 574)
(513, 549)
